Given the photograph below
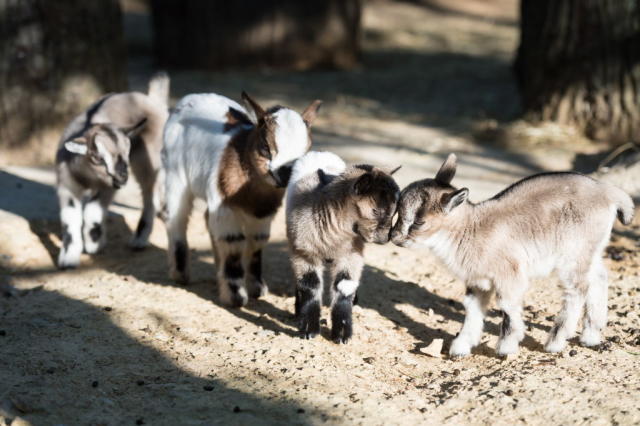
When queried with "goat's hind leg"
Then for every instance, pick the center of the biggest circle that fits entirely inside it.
(595, 312)
(179, 203)
(567, 319)
(146, 176)
(476, 303)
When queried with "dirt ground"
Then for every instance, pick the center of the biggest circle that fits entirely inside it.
(116, 342)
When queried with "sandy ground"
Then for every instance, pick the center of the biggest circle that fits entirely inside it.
(115, 342)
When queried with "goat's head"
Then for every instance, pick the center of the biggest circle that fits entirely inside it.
(425, 206)
(105, 148)
(374, 198)
(283, 136)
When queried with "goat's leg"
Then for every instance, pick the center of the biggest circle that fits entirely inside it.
(179, 203)
(146, 175)
(229, 243)
(509, 296)
(257, 233)
(308, 276)
(595, 313)
(71, 221)
(476, 303)
(94, 221)
(566, 322)
(345, 276)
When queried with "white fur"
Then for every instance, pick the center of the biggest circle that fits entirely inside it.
(76, 147)
(194, 140)
(291, 137)
(106, 156)
(94, 213)
(347, 287)
(312, 161)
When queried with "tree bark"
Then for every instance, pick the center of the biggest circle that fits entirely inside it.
(291, 34)
(56, 57)
(578, 64)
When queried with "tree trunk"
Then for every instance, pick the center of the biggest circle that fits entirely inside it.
(292, 34)
(56, 57)
(578, 64)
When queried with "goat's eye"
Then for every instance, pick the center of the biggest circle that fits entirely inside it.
(263, 149)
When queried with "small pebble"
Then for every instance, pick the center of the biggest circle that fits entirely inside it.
(3, 333)
(236, 409)
(509, 392)
(456, 372)
(94, 384)
(300, 410)
(614, 339)
(108, 308)
(140, 382)
(573, 352)
(208, 388)
(140, 421)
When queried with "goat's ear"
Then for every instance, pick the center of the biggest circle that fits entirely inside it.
(310, 112)
(447, 170)
(454, 199)
(77, 146)
(363, 184)
(256, 112)
(134, 130)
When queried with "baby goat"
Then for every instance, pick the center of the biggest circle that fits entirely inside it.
(546, 222)
(332, 210)
(240, 164)
(93, 160)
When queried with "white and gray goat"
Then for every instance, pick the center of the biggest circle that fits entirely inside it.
(547, 222)
(93, 160)
(239, 163)
(332, 211)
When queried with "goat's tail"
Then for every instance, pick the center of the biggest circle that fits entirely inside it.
(159, 87)
(623, 203)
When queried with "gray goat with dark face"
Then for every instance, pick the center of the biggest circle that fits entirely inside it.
(93, 159)
(549, 222)
(332, 211)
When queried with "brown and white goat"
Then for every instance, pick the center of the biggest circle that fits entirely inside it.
(239, 163)
(332, 211)
(548, 222)
(93, 160)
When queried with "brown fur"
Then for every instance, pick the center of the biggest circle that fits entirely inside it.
(242, 179)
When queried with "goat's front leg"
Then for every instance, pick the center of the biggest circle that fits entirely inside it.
(476, 302)
(345, 276)
(71, 221)
(308, 276)
(94, 227)
(509, 296)
(229, 245)
(257, 233)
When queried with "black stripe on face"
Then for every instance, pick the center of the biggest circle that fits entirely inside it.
(233, 267)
